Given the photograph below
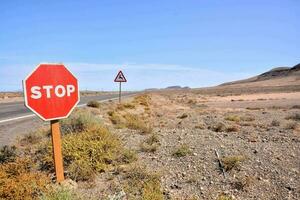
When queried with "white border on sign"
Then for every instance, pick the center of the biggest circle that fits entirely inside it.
(117, 81)
(25, 95)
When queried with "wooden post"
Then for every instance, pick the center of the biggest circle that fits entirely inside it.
(120, 88)
(57, 153)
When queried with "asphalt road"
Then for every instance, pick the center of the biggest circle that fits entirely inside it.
(16, 120)
(14, 110)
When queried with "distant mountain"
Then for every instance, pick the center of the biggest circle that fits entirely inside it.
(176, 87)
(275, 73)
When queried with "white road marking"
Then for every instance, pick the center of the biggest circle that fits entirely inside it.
(16, 118)
(33, 115)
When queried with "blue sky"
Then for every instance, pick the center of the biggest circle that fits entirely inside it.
(192, 43)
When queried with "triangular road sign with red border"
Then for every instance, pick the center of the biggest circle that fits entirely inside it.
(120, 77)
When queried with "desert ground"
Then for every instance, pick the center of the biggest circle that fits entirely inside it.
(177, 144)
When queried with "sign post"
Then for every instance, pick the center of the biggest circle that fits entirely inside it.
(120, 78)
(51, 92)
(57, 153)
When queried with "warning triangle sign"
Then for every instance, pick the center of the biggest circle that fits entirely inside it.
(120, 77)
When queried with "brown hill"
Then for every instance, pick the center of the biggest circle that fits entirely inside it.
(277, 76)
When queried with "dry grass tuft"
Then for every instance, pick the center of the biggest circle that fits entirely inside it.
(232, 162)
(219, 127)
(295, 117)
(243, 183)
(141, 184)
(183, 116)
(19, 181)
(151, 144)
(296, 107)
(200, 126)
(143, 100)
(233, 128)
(79, 121)
(224, 197)
(129, 106)
(134, 122)
(128, 156)
(182, 151)
(93, 104)
(275, 123)
(233, 118)
(292, 126)
(7, 154)
(59, 193)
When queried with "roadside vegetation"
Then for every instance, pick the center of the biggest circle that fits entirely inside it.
(124, 117)
(89, 149)
(93, 104)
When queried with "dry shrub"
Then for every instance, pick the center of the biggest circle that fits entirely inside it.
(233, 118)
(35, 137)
(192, 101)
(183, 116)
(7, 154)
(79, 121)
(18, 180)
(141, 184)
(84, 153)
(142, 100)
(128, 156)
(233, 128)
(116, 119)
(200, 126)
(275, 123)
(243, 183)
(129, 106)
(248, 118)
(292, 126)
(224, 197)
(219, 127)
(93, 104)
(150, 144)
(134, 122)
(59, 193)
(253, 108)
(296, 107)
(294, 116)
(182, 151)
(232, 162)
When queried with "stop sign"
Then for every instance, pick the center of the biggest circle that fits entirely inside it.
(51, 91)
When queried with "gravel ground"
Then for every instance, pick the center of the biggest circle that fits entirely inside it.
(267, 141)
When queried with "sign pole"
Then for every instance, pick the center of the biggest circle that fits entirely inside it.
(57, 154)
(120, 88)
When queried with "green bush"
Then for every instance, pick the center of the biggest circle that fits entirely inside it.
(84, 153)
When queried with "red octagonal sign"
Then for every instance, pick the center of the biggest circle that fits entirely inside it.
(51, 91)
